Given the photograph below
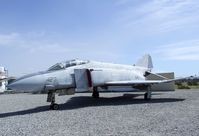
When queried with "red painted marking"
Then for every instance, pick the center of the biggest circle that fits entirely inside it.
(88, 72)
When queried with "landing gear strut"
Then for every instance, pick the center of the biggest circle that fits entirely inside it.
(51, 98)
(147, 95)
(95, 93)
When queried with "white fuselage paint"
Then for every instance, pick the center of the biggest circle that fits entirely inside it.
(63, 79)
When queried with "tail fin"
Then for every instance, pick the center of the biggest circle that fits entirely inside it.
(145, 61)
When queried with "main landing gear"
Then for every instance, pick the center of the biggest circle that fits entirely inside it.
(51, 98)
(95, 93)
(147, 95)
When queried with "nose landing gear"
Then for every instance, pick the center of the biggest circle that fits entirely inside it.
(54, 106)
(51, 98)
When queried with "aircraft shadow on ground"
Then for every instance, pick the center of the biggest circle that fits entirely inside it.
(87, 101)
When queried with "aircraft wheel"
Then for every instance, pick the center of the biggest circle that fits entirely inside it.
(95, 94)
(146, 97)
(54, 106)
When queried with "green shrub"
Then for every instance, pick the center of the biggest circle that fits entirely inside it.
(183, 87)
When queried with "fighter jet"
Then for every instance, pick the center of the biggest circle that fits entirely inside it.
(75, 76)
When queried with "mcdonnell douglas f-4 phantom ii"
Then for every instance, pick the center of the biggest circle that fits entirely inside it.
(76, 76)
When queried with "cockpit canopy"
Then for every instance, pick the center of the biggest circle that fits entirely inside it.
(66, 64)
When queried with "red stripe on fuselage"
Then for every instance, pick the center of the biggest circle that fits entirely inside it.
(88, 72)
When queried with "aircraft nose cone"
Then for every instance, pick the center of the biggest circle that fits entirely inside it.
(28, 84)
(14, 85)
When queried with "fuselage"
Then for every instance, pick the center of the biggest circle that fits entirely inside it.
(63, 77)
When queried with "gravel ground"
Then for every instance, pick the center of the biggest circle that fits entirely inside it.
(171, 113)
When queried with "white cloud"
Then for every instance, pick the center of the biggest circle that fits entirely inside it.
(36, 43)
(8, 39)
(185, 51)
(31, 42)
(48, 48)
(162, 15)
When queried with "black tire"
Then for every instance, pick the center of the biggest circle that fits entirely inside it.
(95, 94)
(146, 97)
(54, 106)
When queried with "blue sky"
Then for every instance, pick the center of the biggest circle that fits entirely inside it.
(35, 34)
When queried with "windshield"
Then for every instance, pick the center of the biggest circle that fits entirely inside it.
(66, 64)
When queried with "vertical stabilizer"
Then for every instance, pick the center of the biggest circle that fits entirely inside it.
(145, 61)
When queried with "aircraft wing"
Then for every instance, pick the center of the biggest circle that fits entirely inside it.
(142, 82)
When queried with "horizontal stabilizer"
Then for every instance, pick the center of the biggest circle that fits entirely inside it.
(147, 73)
